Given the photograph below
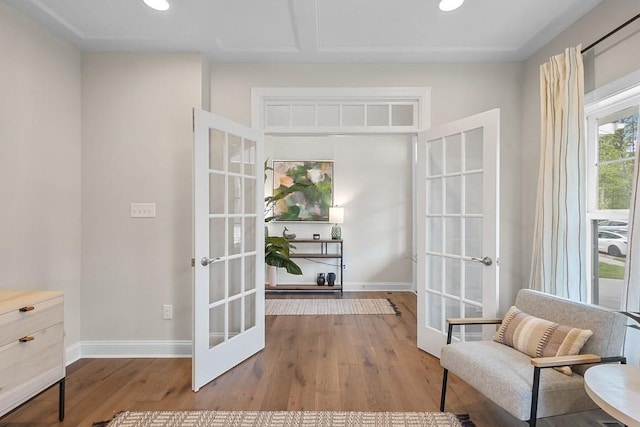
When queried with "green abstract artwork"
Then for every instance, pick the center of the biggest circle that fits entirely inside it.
(315, 196)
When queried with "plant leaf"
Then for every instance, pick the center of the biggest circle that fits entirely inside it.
(277, 249)
(634, 315)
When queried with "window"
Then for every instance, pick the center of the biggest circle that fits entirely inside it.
(329, 110)
(612, 139)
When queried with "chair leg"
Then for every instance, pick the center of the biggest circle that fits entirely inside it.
(444, 389)
(61, 400)
(534, 397)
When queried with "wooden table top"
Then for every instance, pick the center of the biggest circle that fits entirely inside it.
(616, 389)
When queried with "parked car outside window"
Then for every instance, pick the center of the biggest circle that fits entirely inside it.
(613, 243)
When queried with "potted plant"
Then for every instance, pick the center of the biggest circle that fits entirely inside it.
(276, 254)
(634, 316)
(277, 249)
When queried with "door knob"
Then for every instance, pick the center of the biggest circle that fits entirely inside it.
(486, 260)
(206, 261)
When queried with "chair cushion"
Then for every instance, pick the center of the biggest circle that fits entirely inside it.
(540, 338)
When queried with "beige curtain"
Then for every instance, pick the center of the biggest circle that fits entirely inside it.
(631, 294)
(558, 262)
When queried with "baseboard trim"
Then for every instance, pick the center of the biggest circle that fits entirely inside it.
(182, 348)
(378, 287)
(135, 349)
(73, 353)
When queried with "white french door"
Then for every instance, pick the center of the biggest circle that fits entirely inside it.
(457, 227)
(228, 288)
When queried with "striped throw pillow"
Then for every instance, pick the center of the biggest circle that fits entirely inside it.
(540, 338)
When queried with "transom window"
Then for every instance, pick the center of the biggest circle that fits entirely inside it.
(314, 110)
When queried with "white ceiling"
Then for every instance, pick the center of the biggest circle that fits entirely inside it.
(313, 30)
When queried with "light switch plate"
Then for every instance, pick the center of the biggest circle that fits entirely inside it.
(167, 312)
(143, 210)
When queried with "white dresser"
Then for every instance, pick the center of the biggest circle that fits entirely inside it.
(31, 346)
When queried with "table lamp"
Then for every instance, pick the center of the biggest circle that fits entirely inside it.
(336, 216)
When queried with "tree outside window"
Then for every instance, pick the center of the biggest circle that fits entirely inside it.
(615, 142)
(617, 145)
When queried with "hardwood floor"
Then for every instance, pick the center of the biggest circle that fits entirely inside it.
(347, 363)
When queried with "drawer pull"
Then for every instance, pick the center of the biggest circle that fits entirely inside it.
(26, 339)
(27, 308)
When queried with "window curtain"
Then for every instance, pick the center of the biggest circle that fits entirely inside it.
(631, 294)
(631, 288)
(558, 260)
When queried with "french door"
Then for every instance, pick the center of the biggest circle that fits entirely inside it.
(457, 227)
(228, 287)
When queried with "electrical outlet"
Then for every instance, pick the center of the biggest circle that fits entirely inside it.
(143, 210)
(167, 312)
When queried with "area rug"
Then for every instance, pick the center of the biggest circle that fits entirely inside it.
(304, 307)
(286, 418)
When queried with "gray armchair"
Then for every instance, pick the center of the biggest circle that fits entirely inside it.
(523, 385)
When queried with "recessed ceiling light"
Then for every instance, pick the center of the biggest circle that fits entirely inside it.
(449, 5)
(159, 4)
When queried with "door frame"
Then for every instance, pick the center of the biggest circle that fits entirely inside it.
(420, 97)
(309, 96)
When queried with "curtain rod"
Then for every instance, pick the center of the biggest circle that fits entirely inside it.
(609, 34)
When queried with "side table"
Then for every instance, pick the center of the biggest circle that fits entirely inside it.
(616, 389)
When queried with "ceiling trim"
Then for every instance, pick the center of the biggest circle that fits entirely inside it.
(294, 25)
(59, 19)
(305, 37)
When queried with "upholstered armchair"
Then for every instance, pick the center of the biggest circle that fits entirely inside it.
(526, 386)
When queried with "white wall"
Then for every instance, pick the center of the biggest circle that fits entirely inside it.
(137, 147)
(457, 90)
(611, 60)
(40, 163)
(372, 182)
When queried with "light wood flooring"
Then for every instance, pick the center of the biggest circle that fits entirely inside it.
(342, 363)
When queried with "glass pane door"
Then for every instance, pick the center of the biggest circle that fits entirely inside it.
(454, 227)
(457, 227)
(228, 303)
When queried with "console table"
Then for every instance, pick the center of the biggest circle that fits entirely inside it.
(616, 389)
(316, 249)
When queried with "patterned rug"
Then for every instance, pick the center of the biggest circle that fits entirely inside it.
(304, 307)
(286, 418)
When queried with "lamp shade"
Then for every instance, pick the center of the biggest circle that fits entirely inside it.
(336, 215)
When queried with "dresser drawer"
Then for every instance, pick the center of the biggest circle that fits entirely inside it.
(35, 364)
(23, 362)
(15, 324)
